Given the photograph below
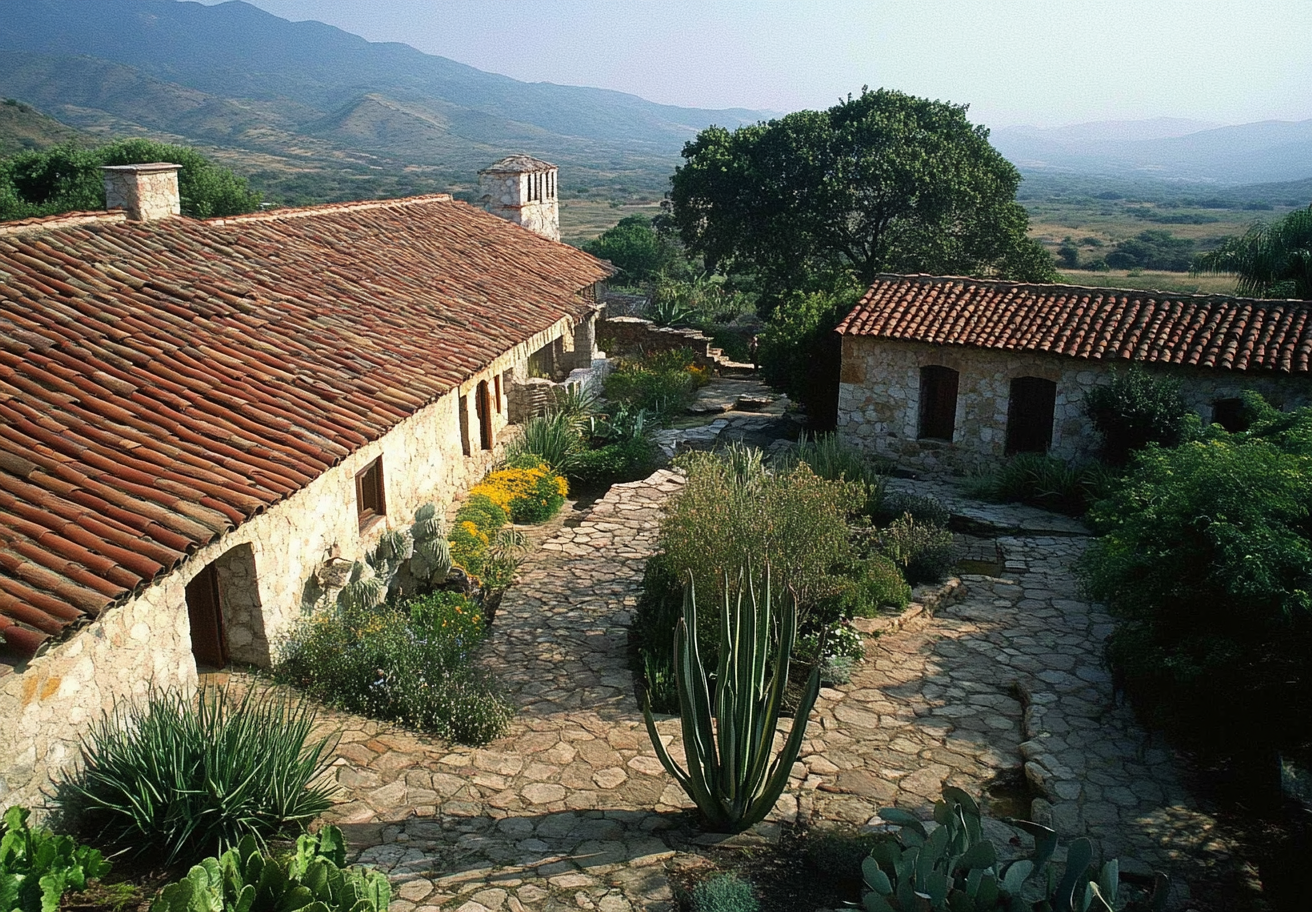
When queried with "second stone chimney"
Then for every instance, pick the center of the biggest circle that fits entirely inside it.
(522, 189)
(147, 192)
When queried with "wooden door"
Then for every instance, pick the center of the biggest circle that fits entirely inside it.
(209, 641)
(484, 405)
(1030, 414)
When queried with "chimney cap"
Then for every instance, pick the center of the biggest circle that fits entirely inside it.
(144, 168)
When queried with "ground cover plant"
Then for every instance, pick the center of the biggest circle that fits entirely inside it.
(245, 878)
(37, 867)
(411, 663)
(174, 777)
(1045, 481)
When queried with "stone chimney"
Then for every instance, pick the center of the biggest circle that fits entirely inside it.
(522, 189)
(147, 192)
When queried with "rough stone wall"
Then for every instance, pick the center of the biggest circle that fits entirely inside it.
(879, 399)
(632, 334)
(507, 196)
(144, 194)
(262, 568)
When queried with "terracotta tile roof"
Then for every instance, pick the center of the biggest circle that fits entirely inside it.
(1100, 324)
(162, 382)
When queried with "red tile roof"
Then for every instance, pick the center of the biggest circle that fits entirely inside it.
(162, 382)
(1099, 324)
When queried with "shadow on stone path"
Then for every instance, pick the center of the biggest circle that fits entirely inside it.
(572, 810)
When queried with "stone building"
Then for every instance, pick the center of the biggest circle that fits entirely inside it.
(522, 189)
(956, 373)
(194, 414)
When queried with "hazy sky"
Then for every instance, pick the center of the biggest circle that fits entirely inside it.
(1041, 62)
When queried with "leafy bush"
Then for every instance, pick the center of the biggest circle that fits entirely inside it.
(627, 460)
(37, 867)
(799, 350)
(874, 583)
(731, 513)
(1137, 408)
(176, 777)
(1205, 558)
(527, 489)
(923, 550)
(413, 665)
(724, 893)
(244, 879)
(923, 508)
(664, 383)
(834, 460)
(1045, 481)
(636, 249)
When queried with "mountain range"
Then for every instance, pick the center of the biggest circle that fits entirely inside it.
(290, 100)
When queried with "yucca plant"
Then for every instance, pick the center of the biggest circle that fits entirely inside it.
(728, 739)
(177, 777)
(553, 438)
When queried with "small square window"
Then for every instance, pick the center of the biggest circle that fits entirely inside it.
(369, 499)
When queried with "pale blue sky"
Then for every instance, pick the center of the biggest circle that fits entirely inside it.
(1014, 61)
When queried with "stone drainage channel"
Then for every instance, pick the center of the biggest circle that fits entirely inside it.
(572, 810)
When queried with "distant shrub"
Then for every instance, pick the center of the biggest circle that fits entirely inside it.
(1137, 408)
(628, 460)
(923, 508)
(663, 383)
(175, 777)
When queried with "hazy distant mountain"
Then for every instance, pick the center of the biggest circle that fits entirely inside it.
(1268, 151)
(24, 128)
(237, 51)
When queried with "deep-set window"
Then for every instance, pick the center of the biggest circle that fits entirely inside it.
(369, 500)
(1030, 413)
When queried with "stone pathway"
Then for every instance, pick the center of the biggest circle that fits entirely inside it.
(572, 810)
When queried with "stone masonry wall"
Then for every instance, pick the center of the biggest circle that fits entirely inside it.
(262, 569)
(507, 195)
(631, 334)
(879, 399)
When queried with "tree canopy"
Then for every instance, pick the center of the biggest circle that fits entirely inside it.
(635, 248)
(884, 182)
(68, 178)
(1272, 261)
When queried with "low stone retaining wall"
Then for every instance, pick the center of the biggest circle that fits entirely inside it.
(636, 334)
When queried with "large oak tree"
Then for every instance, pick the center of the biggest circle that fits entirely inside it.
(883, 182)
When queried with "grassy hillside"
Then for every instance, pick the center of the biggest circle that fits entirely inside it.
(23, 128)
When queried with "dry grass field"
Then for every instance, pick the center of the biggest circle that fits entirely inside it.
(1175, 282)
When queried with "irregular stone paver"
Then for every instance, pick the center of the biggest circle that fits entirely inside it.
(571, 810)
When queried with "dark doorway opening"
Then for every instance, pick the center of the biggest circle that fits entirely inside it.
(1029, 415)
(209, 639)
(1229, 413)
(484, 405)
(938, 403)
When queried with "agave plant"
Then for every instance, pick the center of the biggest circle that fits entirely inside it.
(728, 741)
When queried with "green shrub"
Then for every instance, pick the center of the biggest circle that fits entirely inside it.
(922, 550)
(245, 879)
(724, 893)
(663, 383)
(731, 513)
(554, 439)
(176, 777)
(800, 352)
(627, 460)
(413, 665)
(1045, 481)
(1205, 559)
(834, 460)
(923, 508)
(1135, 409)
(37, 867)
(876, 583)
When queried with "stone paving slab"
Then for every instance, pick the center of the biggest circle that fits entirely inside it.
(571, 810)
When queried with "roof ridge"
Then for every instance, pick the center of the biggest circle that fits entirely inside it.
(73, 219)
(273, 215)
(928, 279)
